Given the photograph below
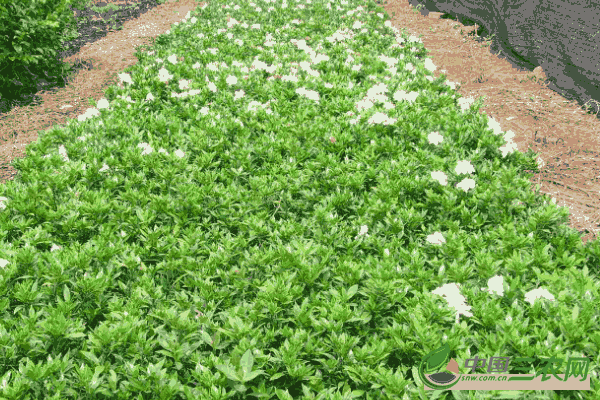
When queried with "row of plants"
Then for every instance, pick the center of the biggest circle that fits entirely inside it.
(281, 201)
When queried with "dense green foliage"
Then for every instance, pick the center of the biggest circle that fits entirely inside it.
(280, 201)
(31, 37)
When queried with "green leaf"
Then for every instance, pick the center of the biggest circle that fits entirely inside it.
(575, 313)
(75, 335)
(276, 376)
(66, 293)
(246, 363)
(352, 291)
(206, 337)
(253, 375)
(281, 395)
(229, 372)
(91, 357)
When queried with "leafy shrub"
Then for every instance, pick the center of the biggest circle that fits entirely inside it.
(31, 37)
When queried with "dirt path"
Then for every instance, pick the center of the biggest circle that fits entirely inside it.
(99, 61)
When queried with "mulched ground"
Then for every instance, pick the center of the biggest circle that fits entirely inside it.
(92, 25)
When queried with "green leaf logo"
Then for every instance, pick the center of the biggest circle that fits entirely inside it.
(433, 362)
(436, 358)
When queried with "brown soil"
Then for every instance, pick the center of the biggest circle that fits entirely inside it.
(564, 133)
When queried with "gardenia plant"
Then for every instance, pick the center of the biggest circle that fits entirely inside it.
(273, 203)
